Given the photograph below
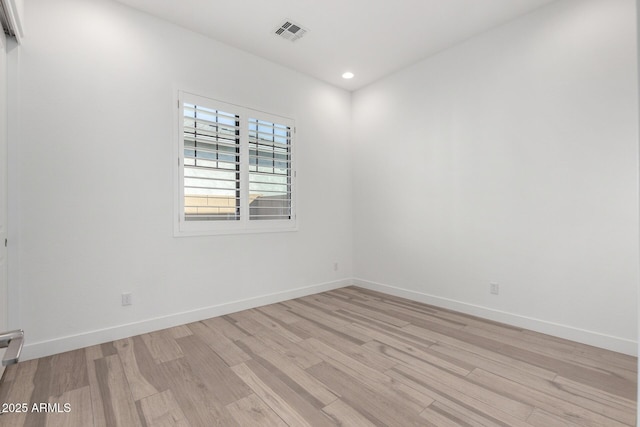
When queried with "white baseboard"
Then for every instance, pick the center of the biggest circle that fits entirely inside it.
(609, 342)
(72, 342)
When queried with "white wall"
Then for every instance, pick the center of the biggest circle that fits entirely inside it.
(513, 158)
(95, 160)
(3, 191)
(638, 284)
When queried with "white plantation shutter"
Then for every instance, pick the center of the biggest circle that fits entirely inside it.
(211, 164)
(235, 169)
(270, 173)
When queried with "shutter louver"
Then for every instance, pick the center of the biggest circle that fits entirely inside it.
(211, 164)
(270, 176)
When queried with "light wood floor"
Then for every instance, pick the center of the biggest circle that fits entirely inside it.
(347, 357)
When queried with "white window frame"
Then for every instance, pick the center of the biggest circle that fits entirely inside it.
(182, 227)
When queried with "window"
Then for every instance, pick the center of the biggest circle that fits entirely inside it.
(235, 169)
(269, 170)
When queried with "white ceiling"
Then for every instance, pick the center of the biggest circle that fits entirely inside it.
(371, 38)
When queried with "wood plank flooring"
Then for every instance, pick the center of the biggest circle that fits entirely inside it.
(348, 357)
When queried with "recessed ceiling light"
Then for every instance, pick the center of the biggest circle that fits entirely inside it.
(347, 75)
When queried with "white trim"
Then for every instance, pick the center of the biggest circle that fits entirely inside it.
(14, 213)
(609, 342)
(14, 11)
(85, 339)
(72, 342)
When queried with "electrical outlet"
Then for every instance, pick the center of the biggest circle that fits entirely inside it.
(335, 266)
(127, 299)
(494, 288)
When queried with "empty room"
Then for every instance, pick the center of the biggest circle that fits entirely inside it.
(319, 213)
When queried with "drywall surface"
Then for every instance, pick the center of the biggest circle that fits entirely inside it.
(3, 191)
(511, 158)
(638, 295)
(95, 178)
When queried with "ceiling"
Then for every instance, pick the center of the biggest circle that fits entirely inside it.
(371, 38)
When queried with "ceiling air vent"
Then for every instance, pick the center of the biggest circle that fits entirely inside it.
(290, 31)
